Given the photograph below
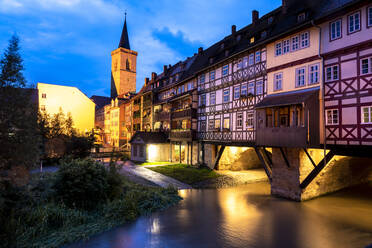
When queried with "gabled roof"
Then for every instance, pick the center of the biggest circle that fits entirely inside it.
(287, 98)
(150, 137)
(100, 101)
(124, 40)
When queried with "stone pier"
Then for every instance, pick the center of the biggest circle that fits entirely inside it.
(340, 172)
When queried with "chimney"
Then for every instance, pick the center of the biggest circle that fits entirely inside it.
(233, 29)
(153, 76)
(284, 6)
(146, 81)
(255, 16)
(165, 69)
(200, 50)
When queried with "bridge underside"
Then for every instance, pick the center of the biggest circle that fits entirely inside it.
(297, 173)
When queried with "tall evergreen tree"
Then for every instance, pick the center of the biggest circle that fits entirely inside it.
(19, 139)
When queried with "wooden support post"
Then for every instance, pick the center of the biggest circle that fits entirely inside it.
(180, 152)
(317, 169)
(218, 157)
(170, 152)
(263, 162)
(310, 158)
(284, 156)
(202, 149)
(191, 152)
(268, 157)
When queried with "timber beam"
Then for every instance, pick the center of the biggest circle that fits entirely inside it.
(218, 156)
(317, 169)
(265, 164)
(284, 157)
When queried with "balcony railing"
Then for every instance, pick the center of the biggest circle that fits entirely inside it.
(182, 134)
(161, 116)
(184, 113)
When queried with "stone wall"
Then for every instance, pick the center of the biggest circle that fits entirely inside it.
(340, 172)
(209, 155)
(239, 158)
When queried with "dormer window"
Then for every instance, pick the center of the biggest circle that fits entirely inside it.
(227, 53)
(270, 20)
(210, 60)
(251, 40)
(263, 34)
(222, 45)
(238, 38)
(301, 17)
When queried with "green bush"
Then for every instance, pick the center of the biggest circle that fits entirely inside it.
(81, 183)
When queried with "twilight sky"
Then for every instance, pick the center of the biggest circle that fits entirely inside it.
(68, 42)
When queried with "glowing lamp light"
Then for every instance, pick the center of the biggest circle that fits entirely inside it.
(152, 152)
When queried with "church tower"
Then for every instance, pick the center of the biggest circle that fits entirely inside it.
(123, 66)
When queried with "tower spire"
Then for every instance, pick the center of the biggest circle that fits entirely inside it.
(124, 40)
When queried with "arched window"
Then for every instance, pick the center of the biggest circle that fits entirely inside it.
(128, 65)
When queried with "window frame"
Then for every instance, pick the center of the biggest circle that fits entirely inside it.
(277, 80)
(297, 37)
(297, 85)
(369, 107)
(287, 42)
(251, 59)
(332, 73)
(203, 100)
(43, 95)
(348, 22)
(239, 121)
(253, 87)
(210, 98)
(257, 55)
(225, 70)
(330, 30)
(229, 123)
(332, 122)
(278, 49)
(227, 95)
(309, 82)
(210, 75)
(369, 16)
(246, 90)
(308, 40)
(369, 65)
(236, 91)
(262, 87)
(249, 116)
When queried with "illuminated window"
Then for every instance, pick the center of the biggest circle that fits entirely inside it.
(335, 30)
(252, 40)
(239, 120)
(42, 107)
(226, 123)
(354, 22)
(367, 115)
(217, 124)
(332, 116)
(250, 120)
(43, 95)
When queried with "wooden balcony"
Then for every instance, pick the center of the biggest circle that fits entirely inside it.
(282, 136)
(161, 116)
(185, 113)
(182, 135)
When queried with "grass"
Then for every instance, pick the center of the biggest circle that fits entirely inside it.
(185, 173)
(154, 163)
(50, 223)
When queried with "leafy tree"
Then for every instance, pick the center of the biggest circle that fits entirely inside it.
(19, 139)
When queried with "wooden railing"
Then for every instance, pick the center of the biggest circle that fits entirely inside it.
(185, 113)
(161, 116)
(181, 134)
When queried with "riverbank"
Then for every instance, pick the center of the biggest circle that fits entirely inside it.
(204, 178)
(37, 216)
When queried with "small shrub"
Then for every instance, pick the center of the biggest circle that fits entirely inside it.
(81, 183)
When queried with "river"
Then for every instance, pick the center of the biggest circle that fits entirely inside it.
(248, 216)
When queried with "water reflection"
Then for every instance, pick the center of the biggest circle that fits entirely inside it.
(249, 217)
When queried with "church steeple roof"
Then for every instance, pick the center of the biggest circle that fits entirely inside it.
(124, 40)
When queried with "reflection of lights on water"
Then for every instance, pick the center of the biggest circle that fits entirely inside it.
(155, 227)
